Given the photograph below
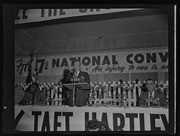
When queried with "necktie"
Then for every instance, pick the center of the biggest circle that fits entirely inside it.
(76, 74)
(151, 96)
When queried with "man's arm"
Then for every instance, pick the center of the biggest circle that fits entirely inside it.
(85, 77)
(41, 98)
(162, 100)
(26, 99)
(142, 100)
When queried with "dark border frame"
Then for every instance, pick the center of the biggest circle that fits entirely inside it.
(8, 59)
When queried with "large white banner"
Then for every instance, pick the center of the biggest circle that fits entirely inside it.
(36, 15)
(54, 118)
(140, 61)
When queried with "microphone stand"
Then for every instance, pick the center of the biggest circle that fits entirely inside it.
(74, 89)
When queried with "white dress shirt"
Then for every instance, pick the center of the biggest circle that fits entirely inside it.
(77, 73)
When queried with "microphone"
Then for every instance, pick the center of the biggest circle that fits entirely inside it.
(73, 70)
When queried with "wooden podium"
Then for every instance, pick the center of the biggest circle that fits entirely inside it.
(74, 86)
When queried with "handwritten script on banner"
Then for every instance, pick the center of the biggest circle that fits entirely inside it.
(98, 63)
(53, 118)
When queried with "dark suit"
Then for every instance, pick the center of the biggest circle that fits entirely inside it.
(157, 94)
(36, 98)
(82, 96)
(40, 98)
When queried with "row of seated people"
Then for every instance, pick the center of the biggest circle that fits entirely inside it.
(37, 94)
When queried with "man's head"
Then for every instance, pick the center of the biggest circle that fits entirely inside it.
(77, 65)
(150, 84)
(95, 125)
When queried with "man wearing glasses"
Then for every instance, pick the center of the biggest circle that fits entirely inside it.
(152, 97)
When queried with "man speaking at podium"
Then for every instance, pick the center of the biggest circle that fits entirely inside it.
(82, 96)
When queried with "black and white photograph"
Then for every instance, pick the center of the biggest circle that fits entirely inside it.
(94, 69)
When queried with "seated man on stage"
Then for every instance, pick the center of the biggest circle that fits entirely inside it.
(81, 96)
(152, 97)
(34, 96)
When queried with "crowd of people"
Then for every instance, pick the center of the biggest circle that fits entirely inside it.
(120, 93)
(101, 94)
